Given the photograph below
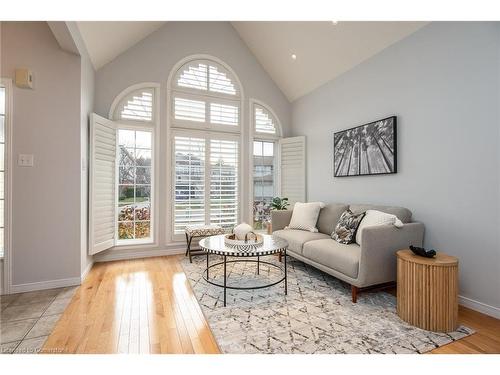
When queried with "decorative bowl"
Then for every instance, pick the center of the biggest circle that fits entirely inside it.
(252, 241)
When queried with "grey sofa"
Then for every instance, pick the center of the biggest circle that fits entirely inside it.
(371, 264)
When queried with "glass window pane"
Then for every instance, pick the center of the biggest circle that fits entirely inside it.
(2, 100)
(2, 128)
(142, 229)
(1, 241)
(143, 139)
(268, 148)
(2, 166)
(142, 194)
(126, 175)
(257, 148)
(126, 213)
(143, 175)
(143, 211)
(126, 230)
(125, 195)
(1, 185)
(126, 138)
(127, 156)
(2, 203)
(143, 157)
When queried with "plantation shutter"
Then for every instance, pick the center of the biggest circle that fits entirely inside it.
(189, 178)
(293, 169)
(102, 184)
(224, 182)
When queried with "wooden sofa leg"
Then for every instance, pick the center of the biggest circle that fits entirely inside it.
(354, 293)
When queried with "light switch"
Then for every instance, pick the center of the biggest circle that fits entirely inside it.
(25, 160)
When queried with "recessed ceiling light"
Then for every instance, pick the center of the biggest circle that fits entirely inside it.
(335, 22)
(294, 56)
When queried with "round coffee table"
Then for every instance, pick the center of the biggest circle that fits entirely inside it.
(216, 245)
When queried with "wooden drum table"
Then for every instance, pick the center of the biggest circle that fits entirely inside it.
(427, 294)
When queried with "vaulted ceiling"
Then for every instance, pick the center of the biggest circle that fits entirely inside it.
(322, 50)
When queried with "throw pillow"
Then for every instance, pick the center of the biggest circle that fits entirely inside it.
(305, 216)
(374, 217)
(346, 228)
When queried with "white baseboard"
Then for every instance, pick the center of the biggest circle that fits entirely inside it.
(86, 271)
(134, 254)
(479, 306)
(40, 285)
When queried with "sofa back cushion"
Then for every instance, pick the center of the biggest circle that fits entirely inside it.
(329, 217)
(402, 213)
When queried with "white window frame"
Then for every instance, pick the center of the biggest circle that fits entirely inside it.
(7, 257)
(263, 137)
(206, 130)
(141, 125)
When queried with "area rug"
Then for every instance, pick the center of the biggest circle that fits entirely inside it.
(317, 315)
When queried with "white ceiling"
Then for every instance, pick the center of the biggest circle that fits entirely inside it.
(324, 50)
(106, 40)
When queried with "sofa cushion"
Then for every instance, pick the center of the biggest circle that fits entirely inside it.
(330, 253)
(402, 213)
(329, 217)
(297, 238)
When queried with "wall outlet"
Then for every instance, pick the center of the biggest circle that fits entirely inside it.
(25, 160)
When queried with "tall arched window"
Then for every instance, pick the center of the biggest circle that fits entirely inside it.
(205, 122)
(266, 132)
(135, 113)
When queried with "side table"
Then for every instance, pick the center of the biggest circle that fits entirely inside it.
(427, 291)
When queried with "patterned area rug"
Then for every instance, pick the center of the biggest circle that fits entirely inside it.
(317, 316)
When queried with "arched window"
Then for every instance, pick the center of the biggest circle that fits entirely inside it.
(205, 127)
(266, 132)
(135, 114)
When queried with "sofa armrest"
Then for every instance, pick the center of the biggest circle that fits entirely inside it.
(379, 244)
(280, 219)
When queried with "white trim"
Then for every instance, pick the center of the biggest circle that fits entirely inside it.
(49, 284)
(479, 306)
(143, 253)
(7, 259)
(170, 183)
(86, 271)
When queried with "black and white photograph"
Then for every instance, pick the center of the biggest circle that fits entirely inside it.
(368, 149)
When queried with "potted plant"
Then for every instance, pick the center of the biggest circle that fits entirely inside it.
(277, 204)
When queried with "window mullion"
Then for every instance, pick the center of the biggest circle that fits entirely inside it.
(208, 179)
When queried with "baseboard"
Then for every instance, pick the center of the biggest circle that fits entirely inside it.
(41, 285)
(86, 271)
(479, 306)
(134, 254)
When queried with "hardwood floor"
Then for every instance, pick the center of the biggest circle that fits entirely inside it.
(147, 306)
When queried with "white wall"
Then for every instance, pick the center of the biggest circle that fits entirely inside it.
(152, 59)
(46, 123)
(443, 84)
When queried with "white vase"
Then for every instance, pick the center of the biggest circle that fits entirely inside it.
(241, 230)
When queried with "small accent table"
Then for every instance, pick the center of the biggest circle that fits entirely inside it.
(216, 245)
(427, 295)
(193, 231)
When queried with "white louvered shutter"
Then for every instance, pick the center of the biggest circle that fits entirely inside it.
(293, 169)
(102, 184)
(224, 182)
(264, 121)
(137, 106)
(189, 178)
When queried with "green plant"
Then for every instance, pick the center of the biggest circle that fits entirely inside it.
(279, 203)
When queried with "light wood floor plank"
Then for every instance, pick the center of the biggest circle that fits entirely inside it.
(148, 306)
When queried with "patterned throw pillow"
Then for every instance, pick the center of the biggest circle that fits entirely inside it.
(345, 231)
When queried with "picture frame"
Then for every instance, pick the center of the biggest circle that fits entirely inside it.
(366, 150)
